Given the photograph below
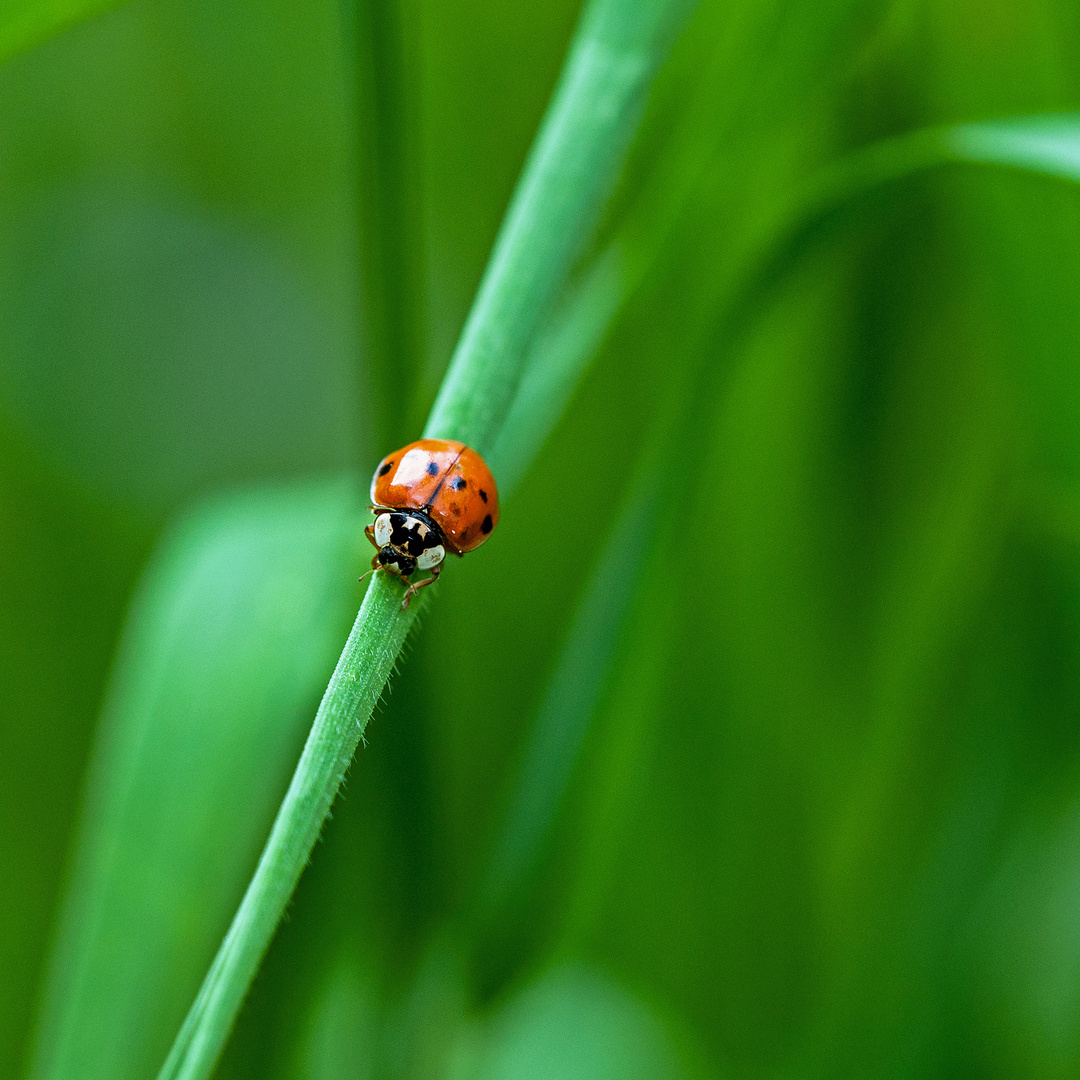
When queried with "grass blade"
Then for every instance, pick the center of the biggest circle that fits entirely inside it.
(1045, 145)
(1049, 145)
(361, 674)
(566, 180)
(555, 363)
(571, 170)
(562, 723)
(226, 649)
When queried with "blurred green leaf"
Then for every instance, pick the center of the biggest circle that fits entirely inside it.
(1048, 146)
(1044, 144)
(560, 727)
(227, 647)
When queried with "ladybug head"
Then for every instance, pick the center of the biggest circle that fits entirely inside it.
(406, 541)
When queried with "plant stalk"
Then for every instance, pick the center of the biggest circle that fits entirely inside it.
(567, 178)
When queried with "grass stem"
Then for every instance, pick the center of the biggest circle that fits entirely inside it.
(570, 172)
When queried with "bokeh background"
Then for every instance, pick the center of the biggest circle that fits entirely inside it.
(749, 746)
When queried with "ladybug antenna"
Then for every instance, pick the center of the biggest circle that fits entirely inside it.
(362, 576)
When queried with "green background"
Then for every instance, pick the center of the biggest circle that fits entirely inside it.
(749, 746)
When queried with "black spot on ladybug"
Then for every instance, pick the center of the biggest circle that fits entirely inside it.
(483, 495)
(432, 469)
(459, 484)
(387, 467)
(486, 526)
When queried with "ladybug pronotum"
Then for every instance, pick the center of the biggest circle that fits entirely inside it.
(431, 497)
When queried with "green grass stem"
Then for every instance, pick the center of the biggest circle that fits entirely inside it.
(570, 171)
(567, 178)
(362, 671)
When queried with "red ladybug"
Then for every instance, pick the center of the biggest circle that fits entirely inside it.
(432, 496)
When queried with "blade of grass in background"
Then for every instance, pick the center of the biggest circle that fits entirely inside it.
(561, 725)
(1044, 145)
(340, 1037)
(1049, 145)
(167, 329)
(570, 172)
(559, 355)
(224, 654)
(565, 182)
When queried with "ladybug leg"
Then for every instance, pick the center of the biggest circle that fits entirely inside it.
(374, 563)
(369, 532)
(416, 586)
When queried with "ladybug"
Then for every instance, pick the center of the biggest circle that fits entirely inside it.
(432, 496)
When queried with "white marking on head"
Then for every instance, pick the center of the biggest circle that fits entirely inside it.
(412, 467)
(382, 530)
(431, 557)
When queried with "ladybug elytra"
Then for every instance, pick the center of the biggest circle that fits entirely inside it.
(431, 497)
